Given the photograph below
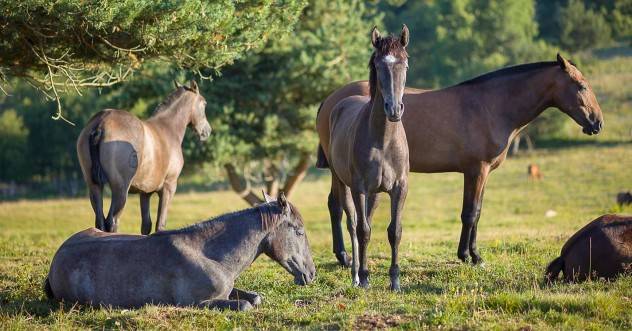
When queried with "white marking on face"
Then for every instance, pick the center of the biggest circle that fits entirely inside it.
(390, 59)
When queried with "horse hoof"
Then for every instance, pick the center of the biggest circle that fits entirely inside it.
(244, 305)
(364, 284)
(344, 259)
(256, 300)
(395, 287)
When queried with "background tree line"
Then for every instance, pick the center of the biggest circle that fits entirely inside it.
(271, 64)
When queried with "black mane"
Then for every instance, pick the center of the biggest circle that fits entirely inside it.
(513, 70)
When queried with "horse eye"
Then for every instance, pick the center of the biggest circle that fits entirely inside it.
(300, 232)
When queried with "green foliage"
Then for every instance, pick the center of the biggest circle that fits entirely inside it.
(582, 28)
(87, 43)
(263, 107)
(455, 40)
(622, 20)
(13, 136)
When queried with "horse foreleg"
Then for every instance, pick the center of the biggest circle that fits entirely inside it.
(253, 297)
(165, 196)
(352, 223)
(96, 199)
(364, 235)
(474, 184)
(145, 227)
(398, 197)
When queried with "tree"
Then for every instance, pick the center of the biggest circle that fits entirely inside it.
(452, 40)
(263, 107)
(64, 45)
(13, 137)
(582, 28)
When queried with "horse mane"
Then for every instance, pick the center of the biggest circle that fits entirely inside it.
(165, 104)
(387, 45)
(508, 71)
(269, 213)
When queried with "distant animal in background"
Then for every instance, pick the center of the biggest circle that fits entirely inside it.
(138, 156)
(624, 198)
(602, 248)
(193, 266)
(533, 172)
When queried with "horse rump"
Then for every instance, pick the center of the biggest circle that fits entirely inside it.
(98, 174)
(554, 268)
(321, 160)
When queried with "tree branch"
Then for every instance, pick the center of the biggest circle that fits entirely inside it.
(298, 174)
(241, 186)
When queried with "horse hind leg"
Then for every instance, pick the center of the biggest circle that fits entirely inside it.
(335, 215)
(96, 200)
(119, 198)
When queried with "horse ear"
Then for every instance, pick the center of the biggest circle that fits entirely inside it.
(375, 37)
(283, 201)
(403, 38)
(267, 197)
(562, 62)
(176, 84)
(194, 86)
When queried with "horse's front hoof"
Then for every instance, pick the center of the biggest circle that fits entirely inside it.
(244, 305)
(395, 286)
(478, 261)
(344, 259)
(364, 284)
(464, 257)
(256, 300)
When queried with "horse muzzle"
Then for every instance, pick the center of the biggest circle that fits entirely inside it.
(205, 133)
(593, 128)
(394, 113)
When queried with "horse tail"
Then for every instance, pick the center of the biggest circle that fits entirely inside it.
(48, 290)
(98, 174)
(554, 268)
(321, 160)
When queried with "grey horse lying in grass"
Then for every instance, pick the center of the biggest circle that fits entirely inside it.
(602, 248)
(192, 266)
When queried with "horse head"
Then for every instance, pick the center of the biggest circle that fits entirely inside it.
(389, 64)
(287, 242)
(575, 97)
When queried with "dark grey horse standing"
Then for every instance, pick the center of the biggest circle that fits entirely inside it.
(193, 266)
(369, 152)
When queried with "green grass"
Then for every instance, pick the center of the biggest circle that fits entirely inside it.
(516, 240)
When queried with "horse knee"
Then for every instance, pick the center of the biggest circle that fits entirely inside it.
(469, 218)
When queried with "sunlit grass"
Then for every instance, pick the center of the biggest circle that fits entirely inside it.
(516, 240)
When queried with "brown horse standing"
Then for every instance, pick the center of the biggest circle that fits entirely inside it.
(369, 153)
(468, 128)
(138, 156)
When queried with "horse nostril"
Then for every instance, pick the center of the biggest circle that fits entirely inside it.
(386, 105)
(401, 106)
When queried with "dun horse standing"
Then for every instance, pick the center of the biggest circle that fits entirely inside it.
(369, 153)
(468, 128)
(138, 156)
(193, 266)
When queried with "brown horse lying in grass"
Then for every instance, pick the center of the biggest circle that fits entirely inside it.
(603, 248)
(468, 128)
(193, 266)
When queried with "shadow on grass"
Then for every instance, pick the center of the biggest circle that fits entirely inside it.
(561, 143)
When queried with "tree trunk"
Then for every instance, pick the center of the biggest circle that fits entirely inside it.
(298, 174)
(241, 186)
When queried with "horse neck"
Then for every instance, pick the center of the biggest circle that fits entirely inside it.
(175, 118)
(380, 128)
(234, 241)
(520, 98)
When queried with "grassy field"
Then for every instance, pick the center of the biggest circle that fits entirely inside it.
(516, 239)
